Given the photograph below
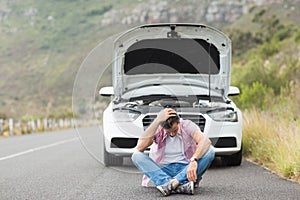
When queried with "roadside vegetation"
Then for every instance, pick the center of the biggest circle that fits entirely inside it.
(272, 141)
(266, 68)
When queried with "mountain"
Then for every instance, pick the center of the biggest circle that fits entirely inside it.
(43, 43)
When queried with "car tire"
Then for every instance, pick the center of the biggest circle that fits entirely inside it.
(109, 159)
(233, 160)
(112, 160)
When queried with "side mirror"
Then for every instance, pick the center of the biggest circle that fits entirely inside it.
(233, 91)
(106, 91)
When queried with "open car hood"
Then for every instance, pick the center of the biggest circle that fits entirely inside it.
(163, 55)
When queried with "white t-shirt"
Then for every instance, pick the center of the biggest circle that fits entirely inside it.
(173, 151)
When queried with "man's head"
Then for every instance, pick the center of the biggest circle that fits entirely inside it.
(170, 121)
(171, 125)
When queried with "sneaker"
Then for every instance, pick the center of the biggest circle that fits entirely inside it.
(187, 188)
(197, 183)
(167, 188)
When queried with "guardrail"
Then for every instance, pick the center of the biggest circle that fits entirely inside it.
(11, 127)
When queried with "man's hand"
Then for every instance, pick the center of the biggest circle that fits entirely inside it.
(191, 171)
(165, 114)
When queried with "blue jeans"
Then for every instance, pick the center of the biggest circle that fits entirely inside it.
(161, 174)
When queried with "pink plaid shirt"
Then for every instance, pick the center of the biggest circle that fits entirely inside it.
(186, 132)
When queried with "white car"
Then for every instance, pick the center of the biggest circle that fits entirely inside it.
(182, 66)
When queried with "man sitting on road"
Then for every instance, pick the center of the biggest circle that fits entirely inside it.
(179, 155)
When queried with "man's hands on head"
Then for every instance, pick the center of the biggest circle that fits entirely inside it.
(147, 138)
(165, 114)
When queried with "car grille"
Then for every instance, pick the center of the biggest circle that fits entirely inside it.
(196, 118)
(147, 120)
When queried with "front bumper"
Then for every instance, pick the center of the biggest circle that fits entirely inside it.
(121, 137)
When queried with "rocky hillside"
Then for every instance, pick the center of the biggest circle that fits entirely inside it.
(155, 11)
(205, 11)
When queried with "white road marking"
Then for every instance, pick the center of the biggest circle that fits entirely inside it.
(37, 149)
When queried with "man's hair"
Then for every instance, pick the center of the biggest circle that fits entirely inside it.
(170, 121)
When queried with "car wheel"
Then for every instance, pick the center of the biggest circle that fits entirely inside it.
(112, 160)
(109, 159)
(233, 160)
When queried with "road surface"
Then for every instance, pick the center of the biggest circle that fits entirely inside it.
(56, 165)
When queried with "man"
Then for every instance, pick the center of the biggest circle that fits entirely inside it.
(179, 155)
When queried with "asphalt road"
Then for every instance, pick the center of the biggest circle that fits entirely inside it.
(56, 165)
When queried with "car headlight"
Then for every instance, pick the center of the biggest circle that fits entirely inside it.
(125, 116)
(226, 115)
